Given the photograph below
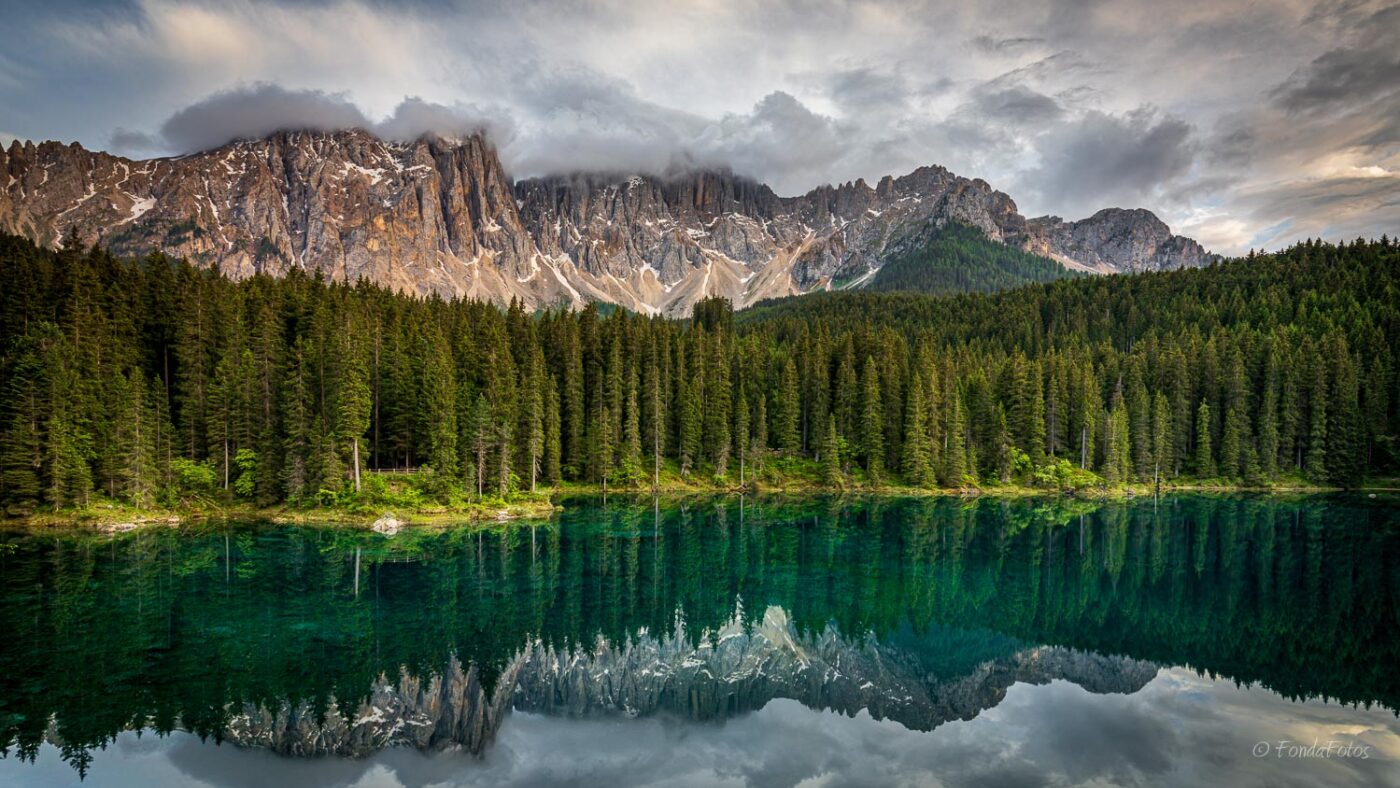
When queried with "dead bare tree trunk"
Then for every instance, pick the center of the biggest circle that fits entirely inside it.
(355, 449)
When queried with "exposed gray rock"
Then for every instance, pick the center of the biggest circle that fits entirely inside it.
(440, 215)
(387, 524)
(1114, 240)
(730, 672)
(451, 709)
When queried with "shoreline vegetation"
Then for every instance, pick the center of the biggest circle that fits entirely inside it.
(396, 500)
(152, 390)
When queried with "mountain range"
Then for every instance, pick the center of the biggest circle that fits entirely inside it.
(441, 215)
(740, 670)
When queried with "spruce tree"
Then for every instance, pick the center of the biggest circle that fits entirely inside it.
(353, 400)
(832, 476)
(741, 430)
(787, 410)
(872, 432)
(917, 466)
(553, 443)
(439, 397)
(955, 463)
(1205, 458)
(1162, 442)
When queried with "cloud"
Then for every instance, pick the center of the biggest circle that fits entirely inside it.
(1018, 106)
(1102, 159)
(415, 117)
(1320, 155)
(1014, 45)
(250, 113)
(1252, 99)
(866, 89)
(1182, 729)
(1341, 207)
(1347, 77)
(136, 144)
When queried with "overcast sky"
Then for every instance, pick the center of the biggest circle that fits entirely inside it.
(1243, 124)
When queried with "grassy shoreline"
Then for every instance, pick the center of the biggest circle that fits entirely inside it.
(110, 516)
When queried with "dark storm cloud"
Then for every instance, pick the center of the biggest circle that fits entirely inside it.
(868, 89)
(1105, 159)
(1018, 106)
(1351, 76)
(136, 144)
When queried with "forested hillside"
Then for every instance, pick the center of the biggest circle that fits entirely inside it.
(144, 380)
(961, 259)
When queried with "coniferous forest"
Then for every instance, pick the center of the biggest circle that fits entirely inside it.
(148, 381)
(961, 259)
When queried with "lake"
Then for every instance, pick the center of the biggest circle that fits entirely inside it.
(1186, 640)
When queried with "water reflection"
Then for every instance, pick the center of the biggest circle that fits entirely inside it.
(912, 612)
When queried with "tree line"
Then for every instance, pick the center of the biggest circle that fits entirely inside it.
(140, 380)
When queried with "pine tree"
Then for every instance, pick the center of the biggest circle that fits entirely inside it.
(296, 422)
(760, 431)
(848, 394)
(353, 400)
(917, 466)
(955, 464)
(1162, 442)
(553, 446)
(1345, 457)
(1002, 447)
(1118, 462)
(534, 395)
(631, 468)
(787, 410)
(1316, 464)
(603, 451)
(1232, 444)
(690, 417)
(741, 430)
(872, 432)
(439, 396)
(483, 437)
(1269, 417)
(1205, 459)
(831, 456)
(22, 419)
(718, 398)
(1140, 425)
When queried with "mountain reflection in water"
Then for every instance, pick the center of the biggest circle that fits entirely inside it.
(316, 641)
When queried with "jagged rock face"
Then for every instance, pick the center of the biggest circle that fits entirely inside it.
(437, 215)
(737, 671)
(1114, 240)
(664, 243)
(742, 670)
(427, 216)
(452, 709)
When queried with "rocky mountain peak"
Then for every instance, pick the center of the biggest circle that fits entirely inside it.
(441, 215)
(1114, 240)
